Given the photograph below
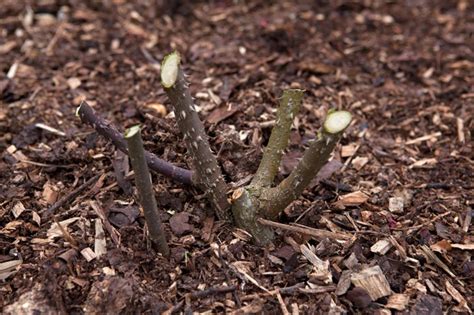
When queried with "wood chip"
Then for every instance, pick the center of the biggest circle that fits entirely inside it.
(73, 83)
(349, 150)
(396, 204)
(381, 247)
(320, 268)
(398, 301)
(315, 67)
(460, 129)
(100, 244)
(9, 268)
(373, 281)
(50, 193)
(36, 218)
(88, 254)
(18, 209)
(463, 246)
(457, 296)
(355, 198)
(242, 267)
(359, 162)
(55, 231)
(344, 283)
(423, 163)
(6, 47)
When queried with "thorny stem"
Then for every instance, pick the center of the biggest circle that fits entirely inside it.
(289, 106)
(106, 129)
(145, 189)
(275, 200)
(207, 171)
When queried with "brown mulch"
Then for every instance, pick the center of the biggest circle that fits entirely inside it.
(404, 69)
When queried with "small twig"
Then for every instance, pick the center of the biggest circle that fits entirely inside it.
(106, 129)
(145, 189)
(200, 295)
(227, 278)
(431, 256)
(318, 234)
(73, 194)
(434, 135)
(294, 289)
(349, 160)
(66, 234)
(212, 291)
(318, 290)
(114, 234)
(46, 165)
(305, 212)
(411, 229)
(284, 310)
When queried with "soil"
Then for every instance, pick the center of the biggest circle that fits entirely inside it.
(404, 69)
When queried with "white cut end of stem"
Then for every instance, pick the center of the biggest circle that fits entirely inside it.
(78, 109)
(337, 121)
(130, 132)
(169, 70)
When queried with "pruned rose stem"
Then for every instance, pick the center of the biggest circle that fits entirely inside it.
(289, 106)
(254, 202)
(145, 189)
(246, 214)
(107, 130)
(207, 172)
(275, 200)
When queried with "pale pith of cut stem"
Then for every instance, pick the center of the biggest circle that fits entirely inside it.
(145, 189)
(289, 106)
(275, 200)
(207, 172)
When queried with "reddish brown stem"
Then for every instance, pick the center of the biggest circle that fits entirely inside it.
(106, 129)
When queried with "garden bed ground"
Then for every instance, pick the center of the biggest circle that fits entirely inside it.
(404, 69)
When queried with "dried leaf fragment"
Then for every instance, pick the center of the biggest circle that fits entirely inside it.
(441, 246)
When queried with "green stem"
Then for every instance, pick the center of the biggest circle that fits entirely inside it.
(290, 104)
(145, 189)
(246, 216)
(275, 200)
